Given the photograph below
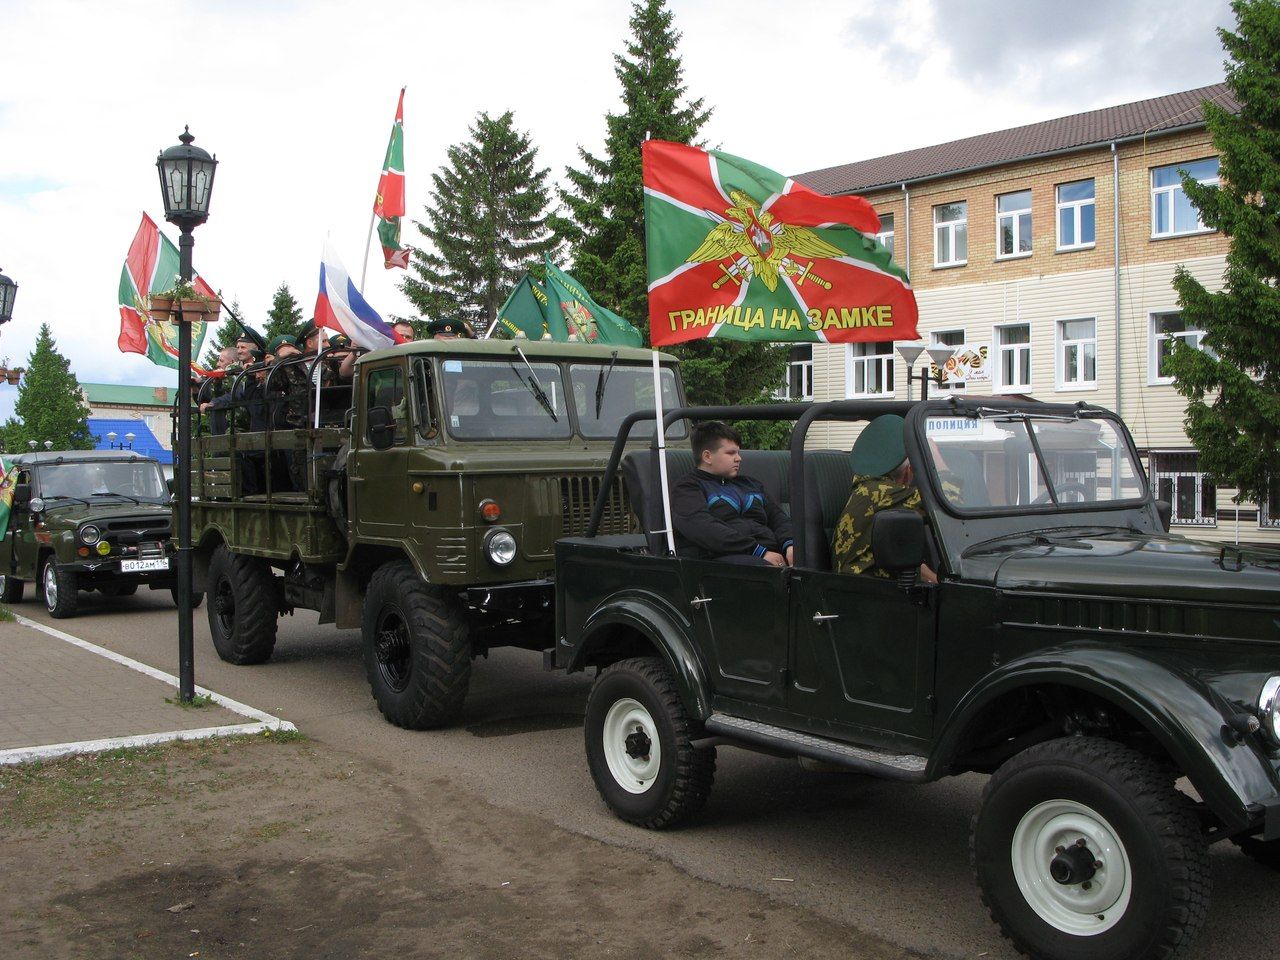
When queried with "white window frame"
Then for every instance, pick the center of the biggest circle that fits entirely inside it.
(1060, 346)
(1154, 339)
(1016, 217)
(1265, 520)
(1075, 207)
(950, 227)
(883, 360)
(806, 379)
(1158, 194)
(1199, 520)
(885, 237)
(955, 347)
(998, 348)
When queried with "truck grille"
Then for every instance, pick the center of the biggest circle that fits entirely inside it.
(125, 530)
(578, 497)
(451, 554)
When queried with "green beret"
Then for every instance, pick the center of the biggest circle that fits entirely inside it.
(257, 355)
(280, 340)
(880, 447)
(339, 340)
(307, 330)
(448, 327)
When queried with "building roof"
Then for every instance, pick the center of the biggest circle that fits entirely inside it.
(1080, 131)
(144, 441)
(128, 394)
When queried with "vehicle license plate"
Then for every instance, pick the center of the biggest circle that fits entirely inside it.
(137, 566)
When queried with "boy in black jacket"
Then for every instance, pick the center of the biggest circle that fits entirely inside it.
(719, 515)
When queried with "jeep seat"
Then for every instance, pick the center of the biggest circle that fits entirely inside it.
(827, 477)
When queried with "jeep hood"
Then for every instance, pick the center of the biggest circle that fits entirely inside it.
(72, 514)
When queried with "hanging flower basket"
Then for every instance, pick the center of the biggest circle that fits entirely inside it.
(185, 301)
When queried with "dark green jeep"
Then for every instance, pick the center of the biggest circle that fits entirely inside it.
(86, 520)
(1088, 661)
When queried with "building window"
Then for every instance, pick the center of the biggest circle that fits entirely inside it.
(1165, 328)
(1171, 211)
(1269, 509)
(1077, 354)
(946, 338)
(951, 234)
(1013, 225)
(1076, 227)
(1179, 481)
(871, 369)
(885, 236)
(799, 374)
(1013, 359)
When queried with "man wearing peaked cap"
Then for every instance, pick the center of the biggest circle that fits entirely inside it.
(882, 480)
(282, 340)
(446, 329)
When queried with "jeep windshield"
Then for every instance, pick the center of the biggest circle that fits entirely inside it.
(1007, 462)
(102, 481)
(604, 393)
(506, 399)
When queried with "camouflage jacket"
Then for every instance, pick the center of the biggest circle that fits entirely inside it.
(851, 549)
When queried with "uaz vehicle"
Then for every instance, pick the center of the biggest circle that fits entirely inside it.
(1072, 649)
(432, 493)
(86, 520)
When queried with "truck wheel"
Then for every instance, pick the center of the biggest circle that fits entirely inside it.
(1083, 849)
(243, 606)
(10, 589)
(416, 651)
(639, 749)
(196, 598)
(61, 591)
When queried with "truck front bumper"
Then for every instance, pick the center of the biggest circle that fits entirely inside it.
(514, 600)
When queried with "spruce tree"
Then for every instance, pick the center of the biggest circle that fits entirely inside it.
(1233, 388)
(285, 316)
(49, 406)
(224, 336)
(485, 225)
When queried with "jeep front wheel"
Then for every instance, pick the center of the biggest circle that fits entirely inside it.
(61, 590)
(244, 603)
(639, 746)
(10, 589)
(1083, 849)
(417, 652)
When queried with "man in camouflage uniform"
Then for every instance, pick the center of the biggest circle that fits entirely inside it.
(882, 480)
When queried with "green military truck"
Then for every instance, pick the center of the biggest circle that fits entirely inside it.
(86, 520)
(1072, 649)
(433, 491)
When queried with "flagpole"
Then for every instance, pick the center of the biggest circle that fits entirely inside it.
(368, 242)
(662, 454)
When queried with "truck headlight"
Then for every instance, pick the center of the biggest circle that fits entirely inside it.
(89, 534)
(1269, 709)
(500, 547)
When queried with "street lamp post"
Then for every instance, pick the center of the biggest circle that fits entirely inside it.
(8, 292)
(186, 181)
(910, 352)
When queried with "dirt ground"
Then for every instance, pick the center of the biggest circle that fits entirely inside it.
(278, 847)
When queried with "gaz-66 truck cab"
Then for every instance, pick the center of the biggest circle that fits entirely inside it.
(421, 503)
(1071, 648)
(86, 520)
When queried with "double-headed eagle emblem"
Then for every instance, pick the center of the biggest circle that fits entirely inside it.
(758, 243)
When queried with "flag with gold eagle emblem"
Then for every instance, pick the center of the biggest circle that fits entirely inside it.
(738, 251)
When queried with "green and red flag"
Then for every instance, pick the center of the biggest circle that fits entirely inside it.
(738, 251)
(525, 312)
(388, 205)
(150, 268)
(8, 484)
(574, 315)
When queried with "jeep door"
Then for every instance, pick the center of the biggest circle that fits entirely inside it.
(19, 547)
(380, 478)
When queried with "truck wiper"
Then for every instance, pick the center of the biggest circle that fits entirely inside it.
(603, 380)
(63, 496)
(112, 493)
(535, 386)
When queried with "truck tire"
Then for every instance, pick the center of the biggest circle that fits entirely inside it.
(10, 589)
(639, 750)
(196, 598)
(1083, 850)
(417, 652)
(244, 602)
(61, 590)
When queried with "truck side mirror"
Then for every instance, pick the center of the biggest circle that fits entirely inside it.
(1165, 511)
(171, 485)
(382, 429)
(22, 494)
(897, 540)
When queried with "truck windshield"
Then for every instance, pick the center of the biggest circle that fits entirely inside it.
(130, 479)
(504, 400)
(623, 389)
(1009, 461)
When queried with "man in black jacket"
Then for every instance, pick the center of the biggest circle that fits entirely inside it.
(719, 514)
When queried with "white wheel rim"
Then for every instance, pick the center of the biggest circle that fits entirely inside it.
(50, 586)
(1082, 909)
(627, 726)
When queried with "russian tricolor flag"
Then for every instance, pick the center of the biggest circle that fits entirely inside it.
(340, 307)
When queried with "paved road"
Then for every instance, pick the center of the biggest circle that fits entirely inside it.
(887, 858)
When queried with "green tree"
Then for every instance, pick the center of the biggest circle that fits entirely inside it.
(1233, 389)
(605, 202)
(49, 406)
(486, 224)
(223, 336)
(285, 316)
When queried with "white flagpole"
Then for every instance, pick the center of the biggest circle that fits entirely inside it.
(662, 454)
(368, 242)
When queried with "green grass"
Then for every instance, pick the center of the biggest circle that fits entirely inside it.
(196, 702)
(7, 615)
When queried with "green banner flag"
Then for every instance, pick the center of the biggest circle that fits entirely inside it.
(7, 486)
(584, 319)
(524, 315)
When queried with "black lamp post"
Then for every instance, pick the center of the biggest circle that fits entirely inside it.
(8, 291)
(186, 181)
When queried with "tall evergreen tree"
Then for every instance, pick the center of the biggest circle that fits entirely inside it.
(1233, 392)
(285, 316)
(224, 336)
(605, 202)
(486, 224)
(49, 405)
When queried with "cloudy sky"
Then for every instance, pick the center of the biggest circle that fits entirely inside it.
(296, 100)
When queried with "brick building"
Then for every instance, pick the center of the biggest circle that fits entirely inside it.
(123, 409)
(1048, 251)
